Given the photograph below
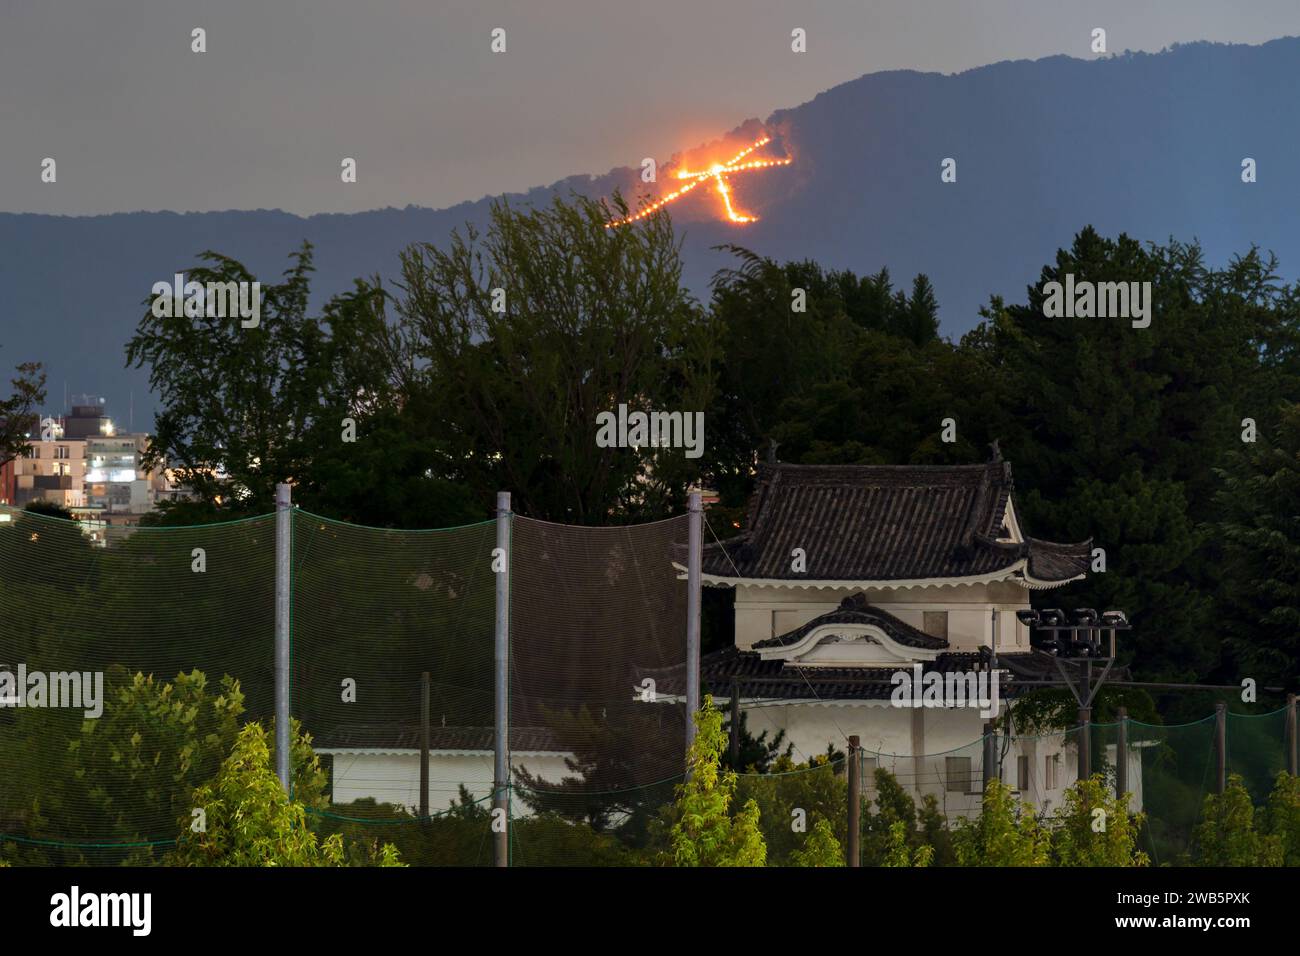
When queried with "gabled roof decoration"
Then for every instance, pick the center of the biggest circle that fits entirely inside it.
(856, 610)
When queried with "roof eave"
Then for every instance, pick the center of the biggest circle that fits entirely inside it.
(1001, 574)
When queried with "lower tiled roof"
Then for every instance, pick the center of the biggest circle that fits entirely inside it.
(757, 679)
(406, 736)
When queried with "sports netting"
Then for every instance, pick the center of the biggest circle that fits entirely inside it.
(152, 603)
(590, 609)
(392, 657)
(382, 620)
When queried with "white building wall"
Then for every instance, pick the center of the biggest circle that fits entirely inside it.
(893, 736)
(764, 612)
(393, 776)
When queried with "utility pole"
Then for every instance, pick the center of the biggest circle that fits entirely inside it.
(501, 748)
(283, 611)
(1121, 758)
(1220, 747)
(1085, 743)
(735, 725)
(424, 745)
(1291, 736)
(991, 771)
(695, 545)
(854, 851)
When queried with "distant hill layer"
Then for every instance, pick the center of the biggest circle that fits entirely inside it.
(1150, 144)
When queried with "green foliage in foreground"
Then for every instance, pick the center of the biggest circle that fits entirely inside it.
(1227, 834)
(704, 831)
(248, 819)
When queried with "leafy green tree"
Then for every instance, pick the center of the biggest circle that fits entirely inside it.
(1226, 835)
(246, 408)
(1283, 817)
(248, 819)
(1006, 833)
(156, 741)
(813, 792)
(517, 339)
(605, 790)
(459, 836)
(811, 380)
(893, 805)
(1094, 828)
(548, 839)
(900, 852)
(18, 412)
(933, 832)
(1261, 554)
(462, 836)
(704, 831)
(820, 849)
(1115, 432)
(755, 754)
(50, 509)
(1047, 710)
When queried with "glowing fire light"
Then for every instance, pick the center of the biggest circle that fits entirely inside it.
(718, 172)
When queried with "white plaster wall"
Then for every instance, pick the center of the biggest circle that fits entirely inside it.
(894, 735)
(393, 776)
(765, 612)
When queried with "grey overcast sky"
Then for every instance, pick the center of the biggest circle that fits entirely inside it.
(411, 89)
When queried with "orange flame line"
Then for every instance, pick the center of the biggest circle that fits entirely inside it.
(715, 173)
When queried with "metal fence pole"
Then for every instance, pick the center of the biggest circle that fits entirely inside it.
(1220, 747)
(1085, 743)
(283, 609)
(1121, 758)
(1291, 735)
(853, 852)
(695, 544)
(990, 755)
(735, 725)
(501, 748)
(424, 745)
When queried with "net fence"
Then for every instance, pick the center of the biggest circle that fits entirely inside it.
(130, 666)
(129, 662)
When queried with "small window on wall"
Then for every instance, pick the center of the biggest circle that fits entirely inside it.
(935, 623)
(1022, 773)
(1053, 764)
(957, 772)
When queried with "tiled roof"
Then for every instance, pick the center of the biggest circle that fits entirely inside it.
(756, 678)
(884, 523)
(855, 610)
(386, 736)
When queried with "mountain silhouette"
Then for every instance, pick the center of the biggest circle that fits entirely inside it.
(1148, 144)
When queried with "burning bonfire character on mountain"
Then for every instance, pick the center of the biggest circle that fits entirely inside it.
(718, 173)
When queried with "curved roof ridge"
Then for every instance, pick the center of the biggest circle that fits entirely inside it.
(855, 609)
